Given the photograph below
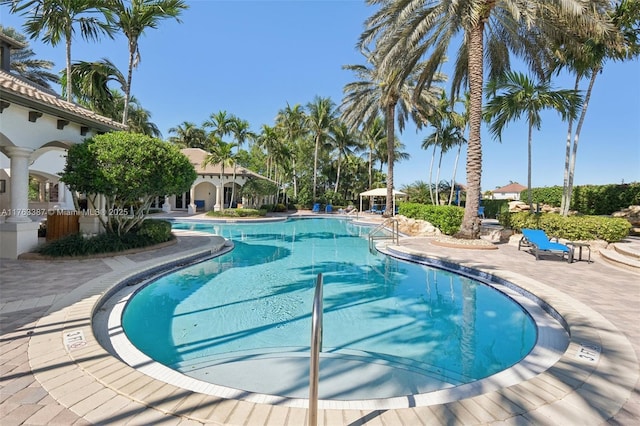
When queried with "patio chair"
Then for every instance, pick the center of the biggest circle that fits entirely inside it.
(375, 209)
(316, 208)
(481, 212)
(539, 242)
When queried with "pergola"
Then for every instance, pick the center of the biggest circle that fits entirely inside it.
(380, 192)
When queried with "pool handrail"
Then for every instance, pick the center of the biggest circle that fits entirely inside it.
(316, 348)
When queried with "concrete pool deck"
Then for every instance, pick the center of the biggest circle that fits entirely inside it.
(54, 371)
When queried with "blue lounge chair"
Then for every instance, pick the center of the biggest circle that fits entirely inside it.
(328, 208)
(316, 208)
(539, 242)
(375, 209)
(481, 212)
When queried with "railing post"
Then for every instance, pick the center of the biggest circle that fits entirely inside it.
(316, 348)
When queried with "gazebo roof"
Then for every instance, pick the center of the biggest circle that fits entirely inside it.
(197, 156)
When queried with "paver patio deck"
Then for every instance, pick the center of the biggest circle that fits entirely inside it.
(47, 382)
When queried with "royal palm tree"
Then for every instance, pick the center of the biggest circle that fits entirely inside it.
(320, 120)
(292, 121)
(515, 95)
(222, 154)
(220, 123)
(133, 17)
(373, 134)
(388, 93)
(405, 32)
(445, 137)
(56, 22)
(345, 144)
(586, 59)
(25, 65)
(189, 135)
(241, 132)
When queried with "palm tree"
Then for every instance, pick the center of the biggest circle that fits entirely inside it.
(188, 135)
(133, 18)
(56, 20)
(445, 137)
(220, 122)
(293, 123)
(380, 92)
(90, 85)
(222, 154)
(587, 61)
(515, 95)
(407, 31)
(345, 144)
(25, 65)
(321, 118)
(241, 132)
(373, 134)
(139, 120)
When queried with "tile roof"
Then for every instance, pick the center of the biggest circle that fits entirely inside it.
(512, 187)
(30, 95)
(197, 156)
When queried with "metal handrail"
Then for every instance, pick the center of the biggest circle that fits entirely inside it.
(395, 232)
(316, 348)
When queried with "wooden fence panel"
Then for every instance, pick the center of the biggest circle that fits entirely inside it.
(60, 225)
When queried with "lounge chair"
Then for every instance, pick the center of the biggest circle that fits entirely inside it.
(316, 208)
(539, 242)
(328, 208)
(375, 209)
(481, 212)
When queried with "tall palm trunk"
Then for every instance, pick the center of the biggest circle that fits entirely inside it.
(391, 145)
(127, 94)
(437, 194)
(564, 208)
(453, 177)
(433, 159)
(583, 113)
(315, 167)
(335, 190)
(470, 227)
(370, 167)
(529, 195)
(68, 54)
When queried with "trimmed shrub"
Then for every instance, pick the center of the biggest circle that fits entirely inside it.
(446, 218)
(573, 228)
(154, 231)
(238, 213)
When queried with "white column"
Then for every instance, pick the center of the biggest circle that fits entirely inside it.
(192, 203)
(219, 197)
(19, 183)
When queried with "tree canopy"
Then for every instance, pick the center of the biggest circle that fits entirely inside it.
(130, 170)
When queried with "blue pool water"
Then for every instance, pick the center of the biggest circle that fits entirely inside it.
(251, 308)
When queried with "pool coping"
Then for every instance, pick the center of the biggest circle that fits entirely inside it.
(573, 391)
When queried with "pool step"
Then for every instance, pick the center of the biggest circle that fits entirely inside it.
(624, 254)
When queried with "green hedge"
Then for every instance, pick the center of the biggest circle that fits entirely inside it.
(446, 218)
(149, 233)
(572, 228)
(590, 199)
(238, 213)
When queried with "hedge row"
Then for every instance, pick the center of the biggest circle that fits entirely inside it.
(446, 218)
(237, 213)
(574, 228)
(590, 199)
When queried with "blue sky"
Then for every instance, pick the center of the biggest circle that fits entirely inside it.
(251, 58)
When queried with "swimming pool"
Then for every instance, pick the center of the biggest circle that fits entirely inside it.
(391, 328)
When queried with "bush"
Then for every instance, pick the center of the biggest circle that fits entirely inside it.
(446, 218)
(237, 213)
(149, 233)
(573, 227)
(154, 231)
(589, 199)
